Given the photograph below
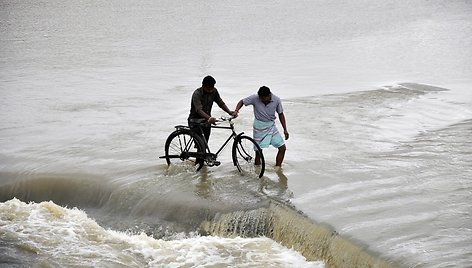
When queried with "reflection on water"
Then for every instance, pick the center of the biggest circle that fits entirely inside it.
(283, 180)
(275, 185)
(203, 187)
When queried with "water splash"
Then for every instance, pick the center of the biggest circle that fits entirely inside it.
(292, 229)
(45, 234)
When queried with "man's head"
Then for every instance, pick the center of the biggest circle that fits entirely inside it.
(208, 84)
(264, 94)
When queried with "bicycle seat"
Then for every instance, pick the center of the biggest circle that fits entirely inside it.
(181, 127)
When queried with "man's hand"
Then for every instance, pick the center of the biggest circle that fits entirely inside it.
(286, 135)
(212, 120)
(235, 114)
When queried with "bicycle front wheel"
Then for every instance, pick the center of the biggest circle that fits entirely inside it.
(184, 148)
(248, 157)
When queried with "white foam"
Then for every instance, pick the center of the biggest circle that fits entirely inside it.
(71, 238)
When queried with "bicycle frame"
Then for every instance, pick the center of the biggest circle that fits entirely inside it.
(231, 136)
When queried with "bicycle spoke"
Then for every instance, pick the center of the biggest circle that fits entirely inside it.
(182, 149)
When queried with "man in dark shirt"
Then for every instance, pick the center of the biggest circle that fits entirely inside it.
(202, 102)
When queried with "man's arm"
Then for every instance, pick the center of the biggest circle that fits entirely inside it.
(225, 108)
(284, 125)
(238, 107)
(222, 104)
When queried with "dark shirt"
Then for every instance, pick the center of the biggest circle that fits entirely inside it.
(204, 101)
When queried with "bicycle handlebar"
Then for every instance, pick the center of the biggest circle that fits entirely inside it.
(224, 118)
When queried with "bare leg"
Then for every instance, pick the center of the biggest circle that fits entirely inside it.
(280, 156)
(257, 161)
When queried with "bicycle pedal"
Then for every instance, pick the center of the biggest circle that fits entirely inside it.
(217, 163)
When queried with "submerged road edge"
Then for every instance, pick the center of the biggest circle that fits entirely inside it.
(293, 229)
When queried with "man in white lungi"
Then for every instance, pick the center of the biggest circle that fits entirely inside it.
(265, 106)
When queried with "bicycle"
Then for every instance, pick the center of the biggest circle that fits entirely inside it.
(188, 145)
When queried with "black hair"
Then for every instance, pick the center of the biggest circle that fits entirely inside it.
(264, 91)
(208, 81)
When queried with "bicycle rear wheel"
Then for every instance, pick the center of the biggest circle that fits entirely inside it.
(245, 150)
(184, 148)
